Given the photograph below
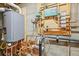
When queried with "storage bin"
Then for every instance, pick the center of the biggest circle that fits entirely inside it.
(63, 13)
(64, 21)
(63, 25)
(63, 18)
(51, 12)
(37, 14)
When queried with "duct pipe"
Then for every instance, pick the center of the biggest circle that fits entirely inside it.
(2, 9)
(15, 6)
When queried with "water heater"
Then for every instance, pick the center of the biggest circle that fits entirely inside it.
(14, 23)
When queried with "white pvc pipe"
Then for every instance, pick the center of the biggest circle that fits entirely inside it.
(2, 9)
(15, 6)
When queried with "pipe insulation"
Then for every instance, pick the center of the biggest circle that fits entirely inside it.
(15, 6)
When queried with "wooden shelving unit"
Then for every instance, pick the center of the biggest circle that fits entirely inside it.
(56, 31)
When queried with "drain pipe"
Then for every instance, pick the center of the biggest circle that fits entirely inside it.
(15, 6)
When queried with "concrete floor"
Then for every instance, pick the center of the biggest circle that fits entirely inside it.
(57, 50)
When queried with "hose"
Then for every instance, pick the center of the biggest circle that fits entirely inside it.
(3, 45)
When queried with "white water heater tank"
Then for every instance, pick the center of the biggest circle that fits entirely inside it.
(14, 23)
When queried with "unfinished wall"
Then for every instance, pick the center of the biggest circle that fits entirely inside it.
(29, 10)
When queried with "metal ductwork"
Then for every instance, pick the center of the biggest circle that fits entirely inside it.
(3, 9)
(15, 6)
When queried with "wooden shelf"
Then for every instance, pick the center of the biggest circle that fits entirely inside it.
(56, 33)
(56, 18)
(51, 17)
(62, 4)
